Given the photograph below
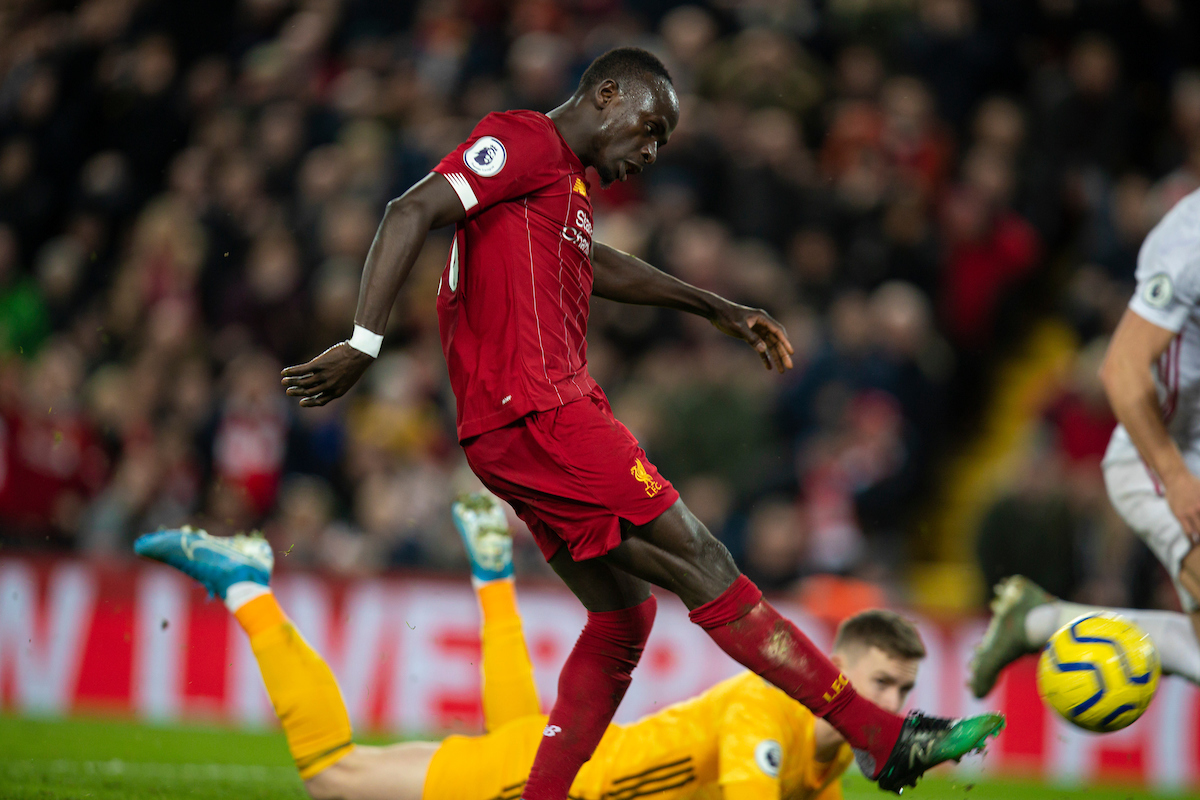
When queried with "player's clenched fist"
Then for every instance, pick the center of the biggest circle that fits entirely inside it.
(328, 376)
(758, 328)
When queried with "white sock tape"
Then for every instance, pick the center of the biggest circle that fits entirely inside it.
(365, 341)
(242, 592)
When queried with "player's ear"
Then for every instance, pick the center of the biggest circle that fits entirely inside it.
(606, 92)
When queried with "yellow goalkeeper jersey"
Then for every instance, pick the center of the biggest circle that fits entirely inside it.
(741, 739)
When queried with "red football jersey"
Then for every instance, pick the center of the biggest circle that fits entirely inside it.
(513, 299)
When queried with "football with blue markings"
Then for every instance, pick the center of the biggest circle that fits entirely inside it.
(1099, 671)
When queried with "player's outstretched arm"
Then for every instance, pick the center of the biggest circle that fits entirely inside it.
(431, 203)
(1135, 346)
(627, 279)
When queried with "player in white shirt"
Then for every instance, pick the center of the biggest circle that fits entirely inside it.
(1151, 374)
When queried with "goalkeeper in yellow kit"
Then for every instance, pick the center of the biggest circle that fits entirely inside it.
(741, 739)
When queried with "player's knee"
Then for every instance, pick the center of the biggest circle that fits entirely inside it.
(697, 542)
(711, 558)
(330, 783)
(713, 570)
(714, 552)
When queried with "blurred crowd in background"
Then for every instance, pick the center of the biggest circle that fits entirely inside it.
(188, 189)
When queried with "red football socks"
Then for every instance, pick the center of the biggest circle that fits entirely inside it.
(590, 687)
(756, 636)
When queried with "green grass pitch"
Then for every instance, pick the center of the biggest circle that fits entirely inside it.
(42, 759)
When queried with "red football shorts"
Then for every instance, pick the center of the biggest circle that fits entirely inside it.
(572, 474)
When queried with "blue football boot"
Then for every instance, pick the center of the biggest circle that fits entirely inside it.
(218, 562)
(483, 526)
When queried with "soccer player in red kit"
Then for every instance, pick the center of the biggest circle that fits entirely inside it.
(538, 431)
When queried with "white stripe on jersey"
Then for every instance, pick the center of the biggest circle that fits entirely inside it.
(463, 189)
(566, 339)
(533, 290)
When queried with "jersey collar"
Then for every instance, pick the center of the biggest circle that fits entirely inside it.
(571, 157)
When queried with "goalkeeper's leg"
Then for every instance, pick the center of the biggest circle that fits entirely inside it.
(299, 682)
(509, 691)
(396, 772)
(301, 686)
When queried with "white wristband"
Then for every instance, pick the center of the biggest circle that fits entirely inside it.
(365, 341)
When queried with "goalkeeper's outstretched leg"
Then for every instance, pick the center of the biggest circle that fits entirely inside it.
(302, 688)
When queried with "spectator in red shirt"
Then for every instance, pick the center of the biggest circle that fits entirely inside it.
(989, 248)
(50, 458)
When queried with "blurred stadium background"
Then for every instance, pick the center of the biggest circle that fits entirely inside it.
(941, 199)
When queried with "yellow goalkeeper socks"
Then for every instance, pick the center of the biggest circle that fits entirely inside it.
(260, 614)
(508, 689)
(301, 686)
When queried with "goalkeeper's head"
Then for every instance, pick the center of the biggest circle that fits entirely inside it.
(880, 652)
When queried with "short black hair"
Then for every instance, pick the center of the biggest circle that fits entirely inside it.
(887, 630)
(622, 65)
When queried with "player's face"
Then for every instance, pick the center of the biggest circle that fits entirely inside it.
(881, 678)
(636, 122)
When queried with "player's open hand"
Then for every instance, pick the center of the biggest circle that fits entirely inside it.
(328, 376)
(758, 328)
(1183, 495)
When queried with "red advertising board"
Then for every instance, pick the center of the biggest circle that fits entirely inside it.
(79, 637)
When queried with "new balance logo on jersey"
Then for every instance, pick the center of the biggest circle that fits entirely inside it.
(639, 473)
(580, 187)
(486, 157)
(551, 730)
